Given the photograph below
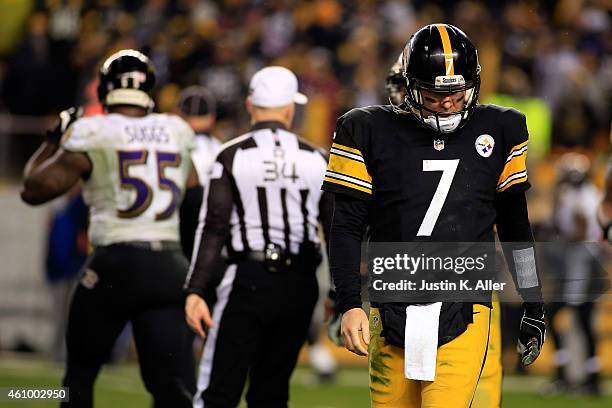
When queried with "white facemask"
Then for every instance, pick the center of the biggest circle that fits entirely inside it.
(447, 123)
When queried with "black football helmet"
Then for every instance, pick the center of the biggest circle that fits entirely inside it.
(127, 78)
(396, 83)
(441, 58)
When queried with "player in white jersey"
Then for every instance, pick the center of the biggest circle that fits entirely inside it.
(577, 274)
(135, 166)
(197, 106)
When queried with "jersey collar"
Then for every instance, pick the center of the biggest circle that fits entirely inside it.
(268, 124)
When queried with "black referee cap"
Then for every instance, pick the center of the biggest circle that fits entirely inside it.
(196, 101)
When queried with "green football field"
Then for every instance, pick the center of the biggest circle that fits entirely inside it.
(120, 386)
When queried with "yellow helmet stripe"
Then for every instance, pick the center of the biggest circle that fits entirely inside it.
(448, 50)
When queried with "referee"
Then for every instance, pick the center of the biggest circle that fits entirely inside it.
(263, 204)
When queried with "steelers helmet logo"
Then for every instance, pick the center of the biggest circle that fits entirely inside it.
(484, 145)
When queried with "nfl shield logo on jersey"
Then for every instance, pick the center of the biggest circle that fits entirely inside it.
(484, 145)
(438, 144)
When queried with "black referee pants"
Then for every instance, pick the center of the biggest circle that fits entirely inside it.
(124, 283)
(261, 322)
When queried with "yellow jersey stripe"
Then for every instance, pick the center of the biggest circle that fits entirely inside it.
(519, 146)
(448, 49)
(349, 167)
(515, 165)
(347, 149)
(517, 153)
(343, 153)
(347, 184)
(513, 182)
(348, 178)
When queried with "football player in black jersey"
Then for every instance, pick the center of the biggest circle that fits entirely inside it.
(384, 168)
(488, 391)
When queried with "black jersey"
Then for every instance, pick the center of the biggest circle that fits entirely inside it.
(421, 185)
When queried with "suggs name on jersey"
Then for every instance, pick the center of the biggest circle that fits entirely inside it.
(147, 134)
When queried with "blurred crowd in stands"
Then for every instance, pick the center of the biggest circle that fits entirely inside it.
(551, 59)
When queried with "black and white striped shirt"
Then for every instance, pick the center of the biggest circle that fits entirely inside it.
(265, 187)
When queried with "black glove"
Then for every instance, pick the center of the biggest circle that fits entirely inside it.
(66, 118)
(532, 332)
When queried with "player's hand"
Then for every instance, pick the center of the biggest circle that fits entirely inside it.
(66, 118)
(532, 332)
(356, 331)
(196, 313)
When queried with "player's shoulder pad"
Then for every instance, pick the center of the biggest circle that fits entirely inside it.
(365, 115)
(177, 121)
(356, 127)
(503, 113)
(89, 122)
(84, 133)
(512, 121)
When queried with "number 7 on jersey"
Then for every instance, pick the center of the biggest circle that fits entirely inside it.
(448, 169)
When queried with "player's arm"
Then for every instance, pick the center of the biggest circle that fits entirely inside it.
(54, 176)
(348, 178)
(515, 233)
(346, 233)
(52, 171)
(189, 210)
(211, 235)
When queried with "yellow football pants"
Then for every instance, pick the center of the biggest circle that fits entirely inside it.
(488, 391)
(458, 367)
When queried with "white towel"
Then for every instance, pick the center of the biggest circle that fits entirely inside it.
(421, 341)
